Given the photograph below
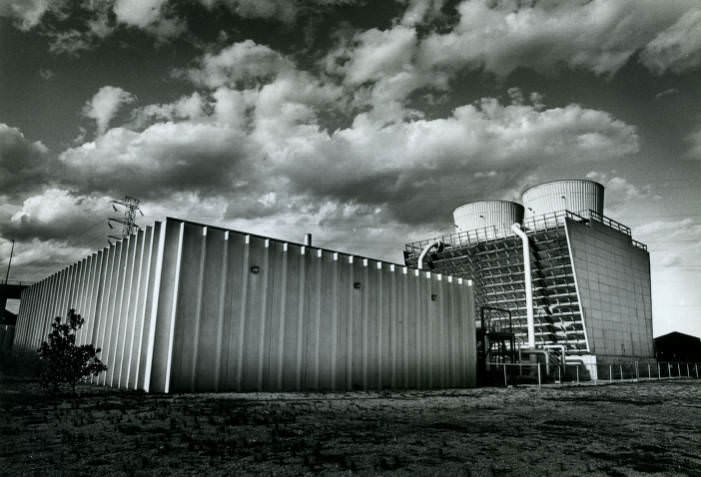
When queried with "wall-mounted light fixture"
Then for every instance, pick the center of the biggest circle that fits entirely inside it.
(255, 269)
(434, 297)
(356, 285)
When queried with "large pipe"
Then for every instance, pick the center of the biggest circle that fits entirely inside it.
(529, 285)
(428, 247)
(563, 353)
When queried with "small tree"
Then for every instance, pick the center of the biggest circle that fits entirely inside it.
(62, 360)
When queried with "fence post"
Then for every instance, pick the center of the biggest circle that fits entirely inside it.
(687, 371)
(610, 372)
(559, 378)
(620, 371)
(506, 384)
(637, 372)
(577, 368)
(669, 370)
(538, 375)
(658, 372)
(696, 367)
(649, 374)
(679, 370)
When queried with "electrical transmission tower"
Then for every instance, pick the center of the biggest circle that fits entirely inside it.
(129, 207)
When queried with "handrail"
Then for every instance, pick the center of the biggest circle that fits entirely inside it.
(544, 222)
(639, 245)
(614, 224)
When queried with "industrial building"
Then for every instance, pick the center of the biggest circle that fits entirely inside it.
(676, 346)
(182, 306)
(554, 273)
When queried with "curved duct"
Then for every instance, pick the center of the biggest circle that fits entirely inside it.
(438, 244)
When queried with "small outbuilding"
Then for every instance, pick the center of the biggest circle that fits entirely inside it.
(676, 346)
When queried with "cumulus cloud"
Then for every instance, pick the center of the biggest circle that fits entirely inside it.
(673, 242)
(421, 11)
(694, 141)
(53, 227)
(57, 213)
(23, 164)
(620, 192)
(46, 73)
(265, 136)
(244, 62)
(597, 35)
(27, 13)
(285, 11)
(375, 54)
(187, 107)
(667, 92)
(152, 16)
(73, 27)
(35, 258)
(379, 71)
(70, 42)
(685, 229)
(678, 48)
(248, 149)
(498, 36)
(164, 157)
(398, 164)
(140, 13)
(105, 104)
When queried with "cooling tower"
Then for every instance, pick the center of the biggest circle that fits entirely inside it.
(500, 214)
(576, 195)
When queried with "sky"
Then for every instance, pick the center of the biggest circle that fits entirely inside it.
(362, 122)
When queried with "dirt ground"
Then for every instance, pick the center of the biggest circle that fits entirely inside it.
(620, 429)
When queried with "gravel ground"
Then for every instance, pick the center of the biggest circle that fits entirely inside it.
(619, 429)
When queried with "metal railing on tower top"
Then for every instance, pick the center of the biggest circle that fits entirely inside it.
(548, 221)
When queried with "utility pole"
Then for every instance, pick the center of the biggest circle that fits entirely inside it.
(12, 250)
(129, 206)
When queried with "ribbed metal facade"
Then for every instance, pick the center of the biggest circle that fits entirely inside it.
(576, 195)
(498, 215)
(591, 283)
(187, 307)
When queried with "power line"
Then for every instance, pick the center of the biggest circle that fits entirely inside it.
(129, 206)
(7, 275)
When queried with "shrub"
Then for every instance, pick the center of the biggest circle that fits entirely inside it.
(62, 361)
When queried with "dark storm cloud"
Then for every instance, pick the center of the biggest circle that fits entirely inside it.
(55, 214)
(24, 165)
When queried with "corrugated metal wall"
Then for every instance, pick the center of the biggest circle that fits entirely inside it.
(497, 214)
(576, 195)
(186, 307)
